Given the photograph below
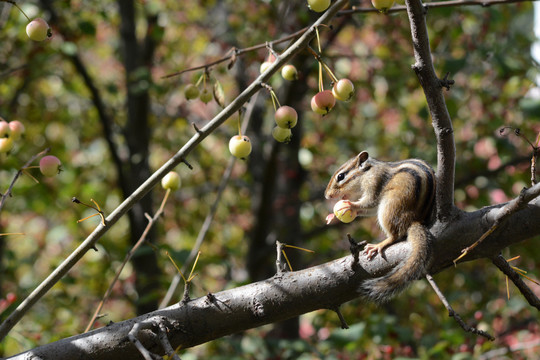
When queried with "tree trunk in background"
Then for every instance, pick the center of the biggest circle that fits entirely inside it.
(137, 58)
(277, 203)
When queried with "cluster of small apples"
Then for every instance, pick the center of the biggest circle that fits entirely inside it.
(324, 101)
(192, 92)
(288, 72)
(9, 132)
(286, 118)
(38, 30)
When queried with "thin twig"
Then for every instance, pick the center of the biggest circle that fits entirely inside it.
(164, 340)
(17, 175)
(129, 255)
(281, 265)
(344, 324)
(234, 53)
(134, 332)
(453, 314)
(500, 262)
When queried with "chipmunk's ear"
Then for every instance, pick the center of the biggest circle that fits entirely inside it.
(361, 158)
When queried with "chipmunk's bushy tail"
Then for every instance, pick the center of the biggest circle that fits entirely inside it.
(382, 289)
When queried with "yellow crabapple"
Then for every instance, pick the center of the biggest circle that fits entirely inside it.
(382, 5)
(5, 130)
(6, 144)
(344, 211)
(343, 90)
(240, 146)
(318, 5)
(171, 181)
(283, 135)
(38, 29)
(289, 72)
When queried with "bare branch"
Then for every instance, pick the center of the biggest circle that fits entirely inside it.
(455, 315)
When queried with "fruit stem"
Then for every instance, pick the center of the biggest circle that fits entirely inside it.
(318, 39)
(200, 79)
(239, 127)
(275, 99)
(17, 6)
(321, 82)
(330, 73)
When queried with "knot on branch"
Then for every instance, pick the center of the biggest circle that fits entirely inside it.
(445, 82)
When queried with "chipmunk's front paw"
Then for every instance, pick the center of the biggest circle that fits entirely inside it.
(371, 250)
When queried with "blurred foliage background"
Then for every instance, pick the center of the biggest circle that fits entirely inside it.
(277, 194)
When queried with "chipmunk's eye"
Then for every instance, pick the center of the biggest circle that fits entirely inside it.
(341, 176)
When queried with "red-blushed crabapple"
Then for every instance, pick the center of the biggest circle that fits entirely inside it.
(50, 165)
(289, 72)
(343, 90)
(171, 181)
(318, 5)
(240, 146)
(6, 144)
(286, 117)
(280, 134)
(11, 297)
(4, 129)
(266, 64)
(382, 5)
(344, 211)
(17, 129)
(323, 102)
(38, 29)
(206, 96)
(191, 92)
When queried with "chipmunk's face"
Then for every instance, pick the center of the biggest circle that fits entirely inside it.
(344, 184)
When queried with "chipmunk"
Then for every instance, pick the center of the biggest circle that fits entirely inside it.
(401, 194)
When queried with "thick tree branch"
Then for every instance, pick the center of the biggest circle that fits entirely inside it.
(442, 124)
